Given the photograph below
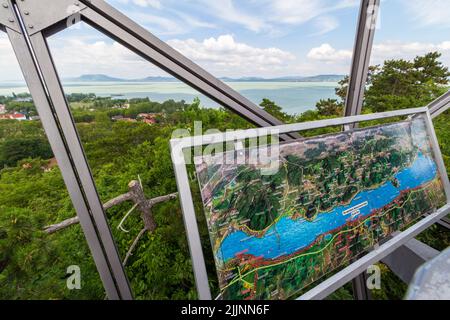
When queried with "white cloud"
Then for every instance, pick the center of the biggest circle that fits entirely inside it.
(225, 10)
(301, 11)
(74, 57)
(326, 53)
(257, 15)
(145, 3)
(224, 56)
(194, 22)
(434, 13)
(161, 25)
(408, 50)
(269, 14)
(296, 11)
(335, 59)
(325, 24)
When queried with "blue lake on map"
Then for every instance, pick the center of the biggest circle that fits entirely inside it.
(288, 236)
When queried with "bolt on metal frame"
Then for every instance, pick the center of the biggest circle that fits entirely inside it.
(29, 22)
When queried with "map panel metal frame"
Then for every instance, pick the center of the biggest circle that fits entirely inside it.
(179, 145)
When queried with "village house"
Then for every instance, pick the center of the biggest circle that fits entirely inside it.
(149, 118)
(23, 99)
(2, 108)
(13, 116)
(121, 106)
(117, 118)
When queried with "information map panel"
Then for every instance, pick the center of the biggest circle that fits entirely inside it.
(332, 197)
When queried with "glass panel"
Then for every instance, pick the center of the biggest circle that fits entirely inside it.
(409, 68)
(290, 52)
(326, 201)
(125, 125)
(411, 55)
(33, 263)
(442, 126)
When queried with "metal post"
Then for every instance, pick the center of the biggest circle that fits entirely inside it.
(360, 290)
(43, 83)
(361, 56)
(357, 81)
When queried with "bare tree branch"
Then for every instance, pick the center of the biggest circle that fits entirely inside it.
(62, 225)
(71, 221)
(136, 194)
(133, 245)
(125, 218)
(117, 200)
(138, 197)
(167, 197)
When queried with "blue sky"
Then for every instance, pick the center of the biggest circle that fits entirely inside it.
(267, 38)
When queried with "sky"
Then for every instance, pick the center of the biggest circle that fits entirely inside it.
(242, 38)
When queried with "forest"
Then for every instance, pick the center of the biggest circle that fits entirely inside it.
(121, 148)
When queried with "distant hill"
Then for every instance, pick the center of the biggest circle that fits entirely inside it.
(318, 78)
(106, 78)
(94, 78)
(156, 79)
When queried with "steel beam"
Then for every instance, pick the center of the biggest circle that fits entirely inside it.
(439, 105)
(444, 222)
(361, 56)
(357, 80)
(43, 83)
(359, 286)
(50, 77)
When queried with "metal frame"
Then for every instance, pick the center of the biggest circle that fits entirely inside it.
(32, 21)
(179, 145)
(365, 32)
(361, 56)
(440, 105)
(40, 74)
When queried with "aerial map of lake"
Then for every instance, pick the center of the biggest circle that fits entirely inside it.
(332, 197)
(293, 97)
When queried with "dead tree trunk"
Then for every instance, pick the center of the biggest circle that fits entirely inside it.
(137, 196)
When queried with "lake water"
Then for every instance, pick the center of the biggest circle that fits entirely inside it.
(294, 97)
(288, 236)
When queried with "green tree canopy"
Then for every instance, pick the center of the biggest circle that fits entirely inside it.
(399, 84)
(275, 110)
